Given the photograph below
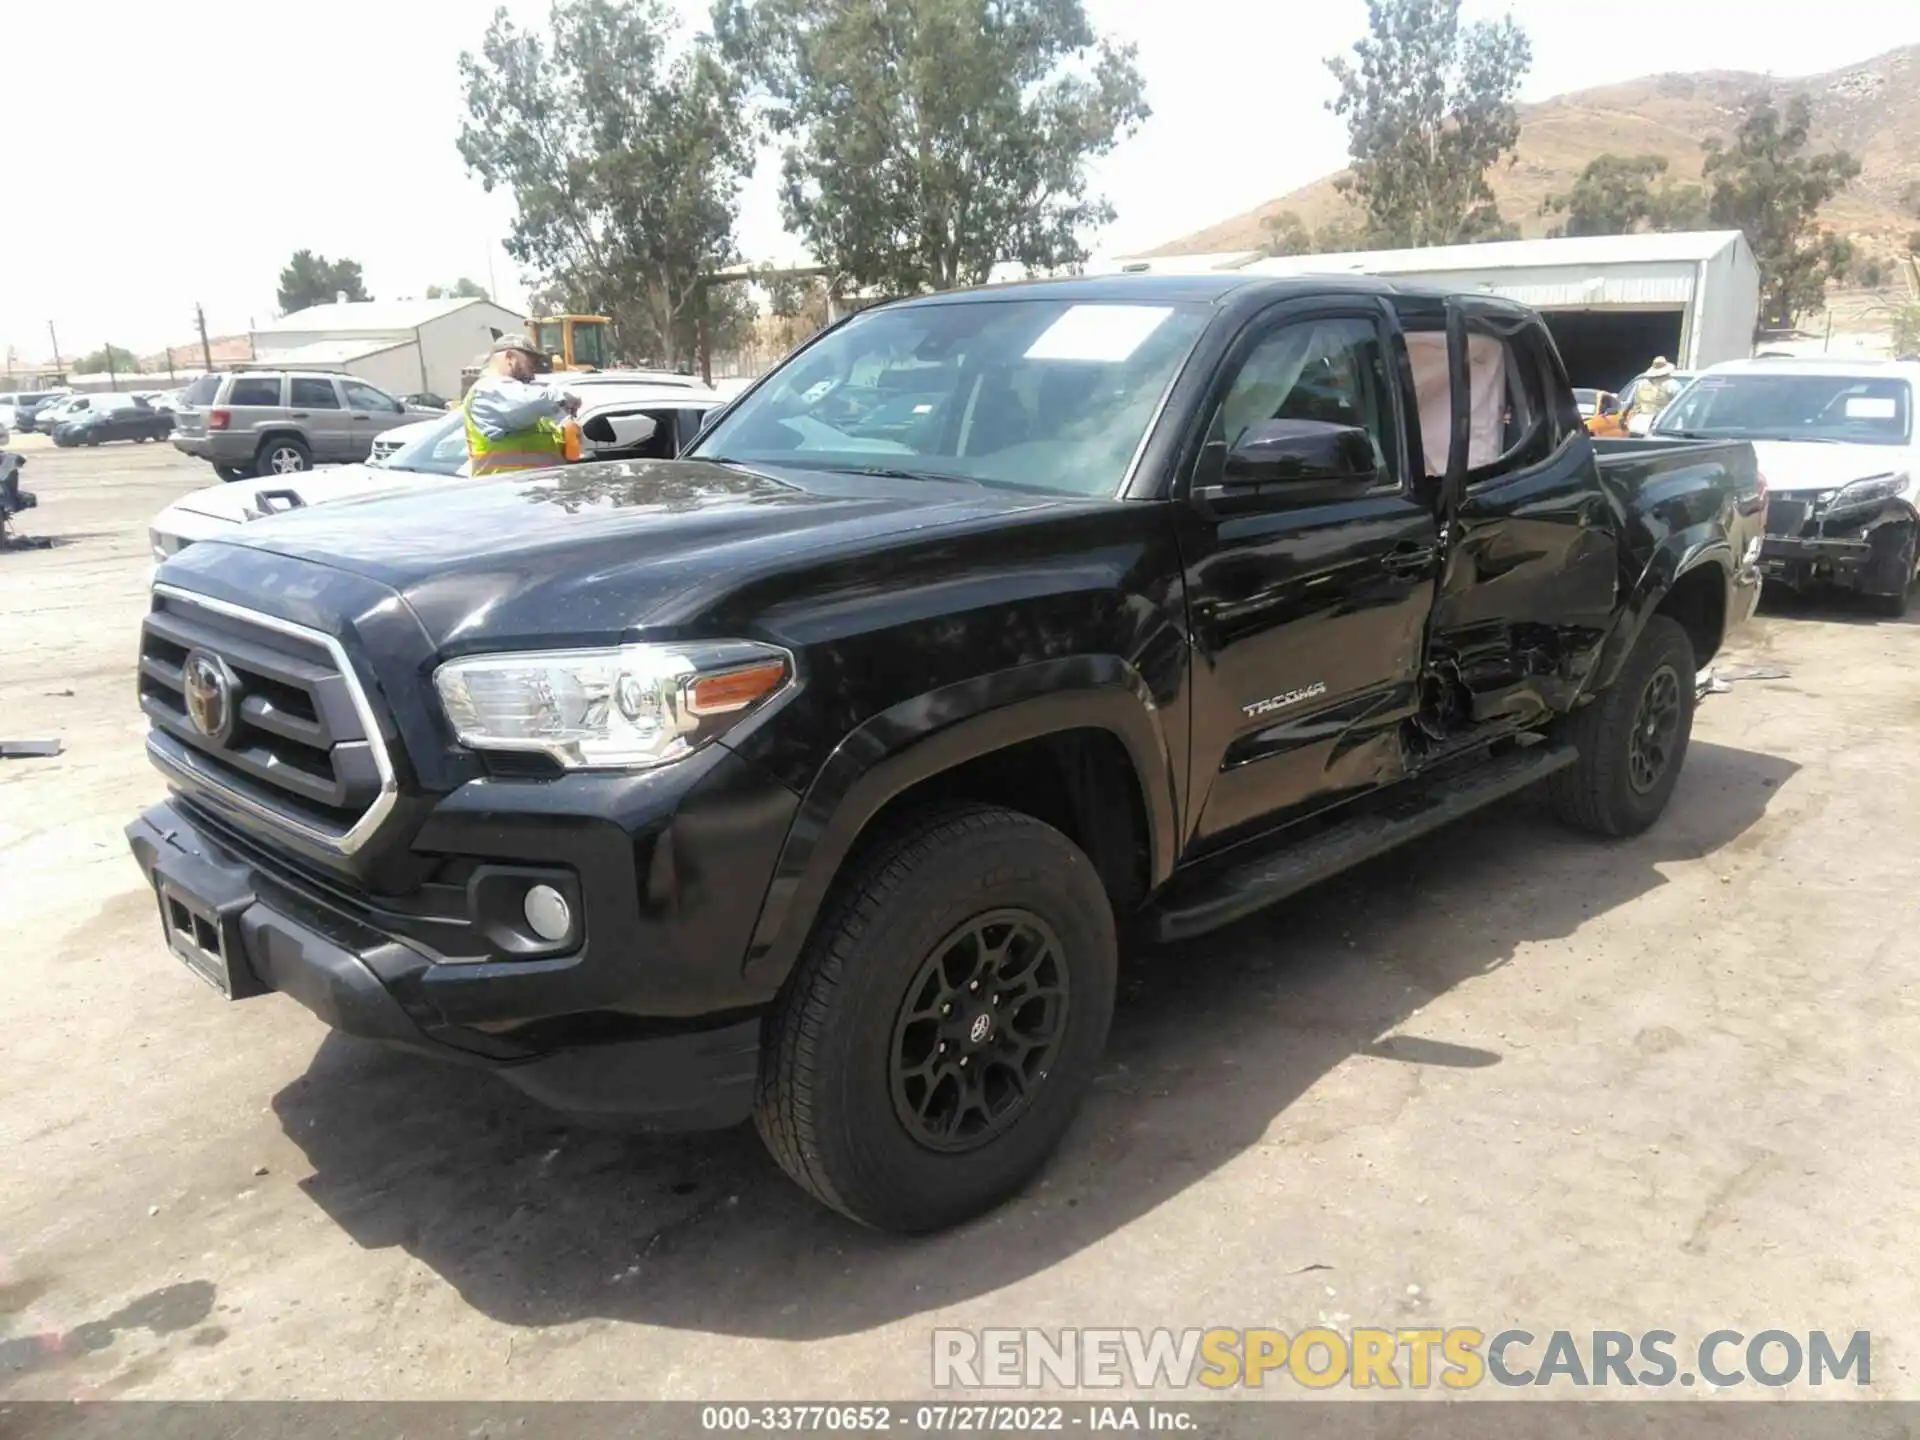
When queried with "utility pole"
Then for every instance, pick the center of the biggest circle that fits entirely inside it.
(113, 380)
(59, 368)
(169, 365)
(206, 350)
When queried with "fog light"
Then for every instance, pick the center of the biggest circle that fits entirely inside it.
(547, 913)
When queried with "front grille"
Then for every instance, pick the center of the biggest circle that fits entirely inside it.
(278, 723)
(1786, 517)
(383, 448)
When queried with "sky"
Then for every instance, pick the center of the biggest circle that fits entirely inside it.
(189, 150)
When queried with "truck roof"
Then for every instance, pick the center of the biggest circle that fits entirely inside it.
(1248, 293)
(1167, 289)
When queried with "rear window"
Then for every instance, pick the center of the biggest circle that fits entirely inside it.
(201, 391)
(256, 390)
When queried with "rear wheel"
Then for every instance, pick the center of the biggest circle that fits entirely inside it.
(282, 455)
(1632, 739)
(944, 1023)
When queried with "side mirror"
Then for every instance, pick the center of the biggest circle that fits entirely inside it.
(1290, 452)
(618, 432)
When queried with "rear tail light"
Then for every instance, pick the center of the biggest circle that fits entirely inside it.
(218, 419)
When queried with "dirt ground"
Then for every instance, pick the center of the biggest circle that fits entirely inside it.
(1508, 1076)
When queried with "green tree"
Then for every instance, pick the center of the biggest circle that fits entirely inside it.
(1287, 234)
(926, 141)
(108, 357)
(1429, 106)
(1767, 186)
(1906, 329)
(311, 279)
(1617, 195)
(461, 289)
(624, 151)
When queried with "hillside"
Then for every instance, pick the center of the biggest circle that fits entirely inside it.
(1872, 109)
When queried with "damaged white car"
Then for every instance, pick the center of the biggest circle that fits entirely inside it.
(1836, 443)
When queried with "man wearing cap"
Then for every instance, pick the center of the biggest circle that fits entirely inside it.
(1656, 389)
(513, 424)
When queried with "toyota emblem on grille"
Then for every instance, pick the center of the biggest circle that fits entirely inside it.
(209, 695)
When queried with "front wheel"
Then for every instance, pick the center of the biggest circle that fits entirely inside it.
(1893, 570)
(1632, 739)
(944, 1023)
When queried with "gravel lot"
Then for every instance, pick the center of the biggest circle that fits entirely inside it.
(1506, 1076)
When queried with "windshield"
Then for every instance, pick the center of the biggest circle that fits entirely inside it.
(1034, 394)
(1862, 410)
(589, 343)
(439, 451)
(549, 338)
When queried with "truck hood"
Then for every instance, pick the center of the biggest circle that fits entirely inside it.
(1802, 465)
(584, 554)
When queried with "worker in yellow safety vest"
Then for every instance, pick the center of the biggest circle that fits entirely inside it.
(513, 424)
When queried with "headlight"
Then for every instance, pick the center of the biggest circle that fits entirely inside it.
(630, 707)
(1865, 492)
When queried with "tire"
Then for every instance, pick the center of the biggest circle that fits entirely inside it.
(230, 473)
(282, 455)
(1614, 788)
(1895, 576)
(838, 1104)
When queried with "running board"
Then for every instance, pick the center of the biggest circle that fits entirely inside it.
(1255, 884)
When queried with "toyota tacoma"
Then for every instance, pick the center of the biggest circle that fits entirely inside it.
(816, 776)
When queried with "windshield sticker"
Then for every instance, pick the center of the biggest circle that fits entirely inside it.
(1871, 407)
(1104, 333)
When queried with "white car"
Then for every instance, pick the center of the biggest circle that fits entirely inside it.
(1837, 446)
(617, 421)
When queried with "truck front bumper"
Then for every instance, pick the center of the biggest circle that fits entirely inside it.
(572, 1029)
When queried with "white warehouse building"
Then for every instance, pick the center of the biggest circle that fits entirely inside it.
(403, 346)
(1613, 302)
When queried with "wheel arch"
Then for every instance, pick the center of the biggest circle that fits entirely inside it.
(1689, 577)
(281, 432)
(1086, 725)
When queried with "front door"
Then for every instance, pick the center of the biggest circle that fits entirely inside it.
(372, 412)
(1532, 566)
(1307, 614)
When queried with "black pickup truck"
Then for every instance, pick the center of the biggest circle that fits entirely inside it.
(816, 776)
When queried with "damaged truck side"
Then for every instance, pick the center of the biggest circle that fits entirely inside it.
(815, 776)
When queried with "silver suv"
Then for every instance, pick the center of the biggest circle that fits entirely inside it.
(277, 422)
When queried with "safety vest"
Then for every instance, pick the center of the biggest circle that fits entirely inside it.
(541, 444)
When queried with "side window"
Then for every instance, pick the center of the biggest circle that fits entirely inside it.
(312, 393)
(1513, 426)
(255, 390)
(1334, 371)
(361, 396)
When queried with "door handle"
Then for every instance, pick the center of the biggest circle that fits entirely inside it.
(299, 415)
(1409, 559)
